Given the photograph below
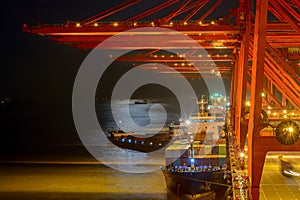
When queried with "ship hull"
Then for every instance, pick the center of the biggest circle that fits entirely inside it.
(145, 145)
(193, 183)
(145, 148)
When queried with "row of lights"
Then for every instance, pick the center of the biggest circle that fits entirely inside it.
(152, 23)
(284, 112)
(183, 55)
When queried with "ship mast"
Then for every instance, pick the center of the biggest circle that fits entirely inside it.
(202, 104)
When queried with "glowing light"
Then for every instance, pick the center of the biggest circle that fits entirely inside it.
(269, 111)
(151, 143)
(290, 129)
(95, 24)
(135, 24)
(200, 23)
(269, 107)
(77, 24)
(247, 103)
(263, 94)
(185, 23)
(242, 154)
(285, 116)
(152, 24)
(284, 111)
(192, 160)
(182, 64)
(212, 23)
(175, 64)
(274, 113)
(171, 23)
(116, 24)
(188, 122)
(293, 114)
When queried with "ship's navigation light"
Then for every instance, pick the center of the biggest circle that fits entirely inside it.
(192, 160)
(142, 142)
(129, 140)
(123, 139)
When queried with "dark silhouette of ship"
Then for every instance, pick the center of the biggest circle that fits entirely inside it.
(197, 164)
(143, 143)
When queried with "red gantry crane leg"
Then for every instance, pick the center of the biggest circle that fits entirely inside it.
(256, 157)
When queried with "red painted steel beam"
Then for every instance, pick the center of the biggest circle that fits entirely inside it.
(281, 82)
(275, 12)
(192, 13)
(285, 15)
(141, 58)
(268, 93)
(274, 75)
(296, 3)
(272, 98)
(233, 92)
(182, 7)
(272, 28)
(285, 68)
(151, 11)
(109, 12)
(289, 8)
(285, 77)
(257, 78)
(210, 10)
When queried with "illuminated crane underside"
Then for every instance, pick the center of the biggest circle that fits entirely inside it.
(271, 62)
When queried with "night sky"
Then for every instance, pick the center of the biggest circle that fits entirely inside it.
(38, 74)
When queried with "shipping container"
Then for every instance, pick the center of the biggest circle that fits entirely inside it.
(215, 150)
(222, 149)
(207, 149)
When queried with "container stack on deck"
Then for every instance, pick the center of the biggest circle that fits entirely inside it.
(205, 155)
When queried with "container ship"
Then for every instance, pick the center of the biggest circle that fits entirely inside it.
(197, 163)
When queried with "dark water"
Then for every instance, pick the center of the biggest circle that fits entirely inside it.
(43, 158)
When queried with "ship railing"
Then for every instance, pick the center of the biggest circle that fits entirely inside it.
(195, 169)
